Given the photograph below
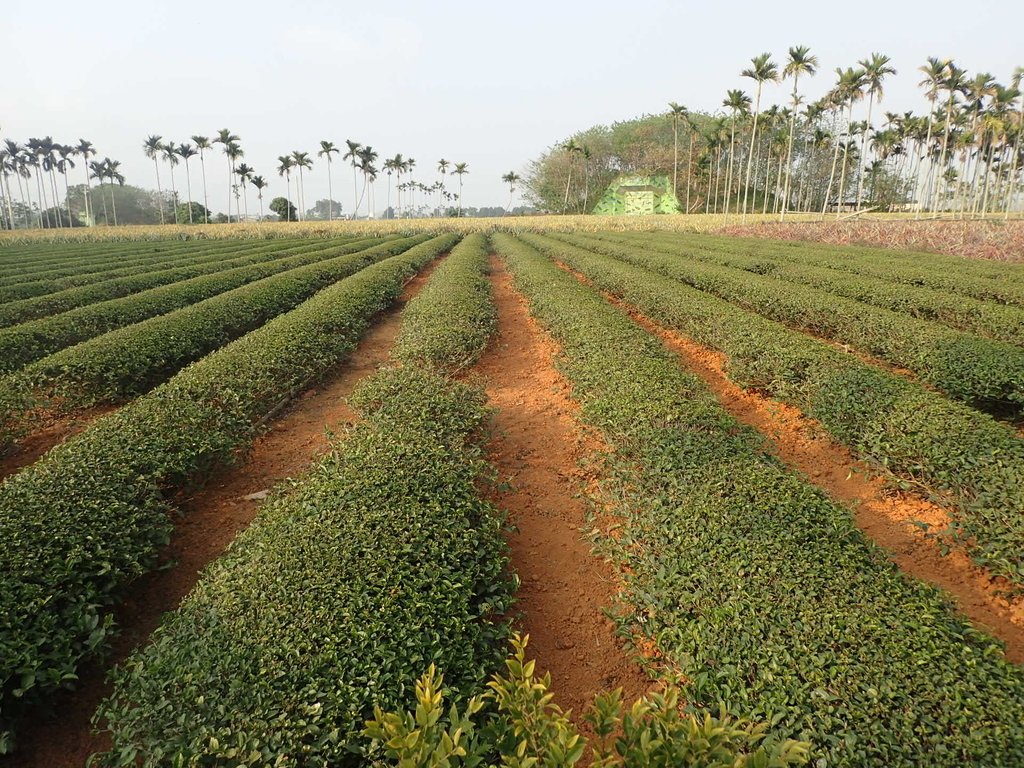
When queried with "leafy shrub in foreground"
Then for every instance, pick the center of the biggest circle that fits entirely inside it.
(515, 721)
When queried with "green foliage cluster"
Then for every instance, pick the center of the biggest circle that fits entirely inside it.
(284, 209)
(983, 373)
(379, 562)
(24, 343)
(93, 513)
(971, 461)
(752, 581)
(516, 720)
(198, 214)
(1003, 322)
(14, 312)
(448, 325)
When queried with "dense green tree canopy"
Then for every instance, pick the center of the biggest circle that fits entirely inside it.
(284, 209)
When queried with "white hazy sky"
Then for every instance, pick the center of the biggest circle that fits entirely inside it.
(490, 84)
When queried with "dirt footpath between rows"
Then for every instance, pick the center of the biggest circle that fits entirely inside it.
(537, 447)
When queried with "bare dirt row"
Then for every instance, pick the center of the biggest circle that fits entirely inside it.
(537, 447)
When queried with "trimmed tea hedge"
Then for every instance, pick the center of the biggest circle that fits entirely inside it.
(381, 561)
(997, 321)
(761, 589)
(974, 463)
(93, 514)
(448, 325)
(22, 344)
(14, 312)
(981, 372)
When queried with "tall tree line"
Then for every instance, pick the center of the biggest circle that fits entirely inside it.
(35, 191)
(960, 157)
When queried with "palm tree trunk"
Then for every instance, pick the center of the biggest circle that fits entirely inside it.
(67, 198)
(945, 145)
(88, 192)
(231, 176)
(988, 165)
(27, 193)
(776, 204)
(565, 203)
(846, 155)
(174, 196)
(188, 184)
(103, 197)
(586, 186)
(977, 166)
(355, 194)
(675, 155)
(864, 147)
(789, 149)
(5, 187)
(362, 194)
(750, 157)
(803, 203)
(728, 173)
(288, 207)
(718, 182)
(56, 202)
(330, 191)
(689, 170)
(113, 202)
(767, 177)
(832, 175)
(1012, 171)
(10, 208)
(206, 199)
(42, 199)
(920, 164)
(159, 191)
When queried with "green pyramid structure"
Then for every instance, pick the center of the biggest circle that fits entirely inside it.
(638, 196)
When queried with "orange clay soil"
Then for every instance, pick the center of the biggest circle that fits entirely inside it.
(537, 448)
(211, 518)
(886, 516)
(53, 431)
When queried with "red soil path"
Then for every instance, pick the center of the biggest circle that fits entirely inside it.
(212, 517)
(537, 448)
(886, 516)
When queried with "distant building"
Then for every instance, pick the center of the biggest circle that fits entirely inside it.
(638, 196)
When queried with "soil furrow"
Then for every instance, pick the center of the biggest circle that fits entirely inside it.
(537, 448)
(53, 431)
(211, 519)
(889, 518)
